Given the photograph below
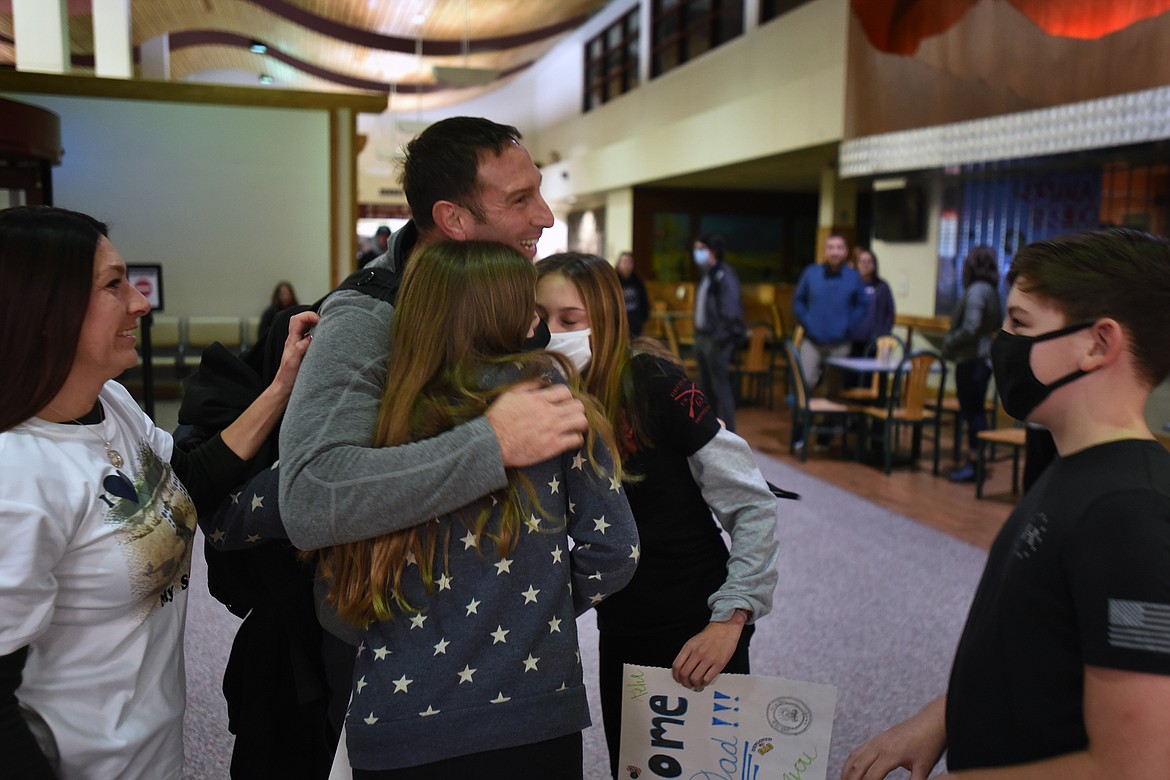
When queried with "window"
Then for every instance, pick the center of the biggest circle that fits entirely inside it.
(770, 9)
(611, 61)
(683, 29)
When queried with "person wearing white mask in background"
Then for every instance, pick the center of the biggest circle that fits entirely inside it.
(719, 324)
(691, 602)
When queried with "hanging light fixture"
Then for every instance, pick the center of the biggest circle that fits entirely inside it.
(465, 76)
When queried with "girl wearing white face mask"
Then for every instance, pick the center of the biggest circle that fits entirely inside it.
(690, 603)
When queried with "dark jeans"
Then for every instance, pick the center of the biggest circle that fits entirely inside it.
(714, 358)
(660, 650)
(553, 759)
(971, 380)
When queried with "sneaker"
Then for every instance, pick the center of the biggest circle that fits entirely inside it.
(964, 474)
(798, 446)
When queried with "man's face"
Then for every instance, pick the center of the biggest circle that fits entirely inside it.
(383, 241)
(513, 211)
(835, 252)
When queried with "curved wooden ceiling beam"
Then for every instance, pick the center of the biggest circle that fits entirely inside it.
(436, 48)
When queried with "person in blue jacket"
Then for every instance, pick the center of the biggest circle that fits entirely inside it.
(828, 302)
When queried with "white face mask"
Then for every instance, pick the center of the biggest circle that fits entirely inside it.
(701, 255)
(574, 345)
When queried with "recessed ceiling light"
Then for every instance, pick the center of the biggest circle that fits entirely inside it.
(418, 19)
(265, 78)
(258, 47)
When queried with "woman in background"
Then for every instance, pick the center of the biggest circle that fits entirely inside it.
(978, 316)
(469, 665)
(878, 319)
(283, 297)
(97, 512)
(691, 604)
(634, 292)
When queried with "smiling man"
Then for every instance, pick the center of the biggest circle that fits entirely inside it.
(465, 179)
(1063, 669)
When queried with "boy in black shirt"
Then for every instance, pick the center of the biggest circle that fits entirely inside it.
(1063, 670)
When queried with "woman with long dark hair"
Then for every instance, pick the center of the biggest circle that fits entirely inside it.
(468, 664)
(975, 321)
(692, 603)
(97, 512)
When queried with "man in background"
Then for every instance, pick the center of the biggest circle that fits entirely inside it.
(719, 325)
(381, 243)
(828, 302)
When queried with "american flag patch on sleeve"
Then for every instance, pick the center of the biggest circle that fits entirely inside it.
(1139, 625)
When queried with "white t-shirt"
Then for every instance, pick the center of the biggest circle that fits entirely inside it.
(93, 579)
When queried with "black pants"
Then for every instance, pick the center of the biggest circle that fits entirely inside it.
(554, 759)
(659, 650)
(971, 380)
(714, 358)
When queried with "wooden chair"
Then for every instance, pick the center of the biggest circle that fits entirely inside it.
(689, 363)
(754, 369)
(888, 345)
(950, 406)
(812, 416)
(906, 406)
(203, 331)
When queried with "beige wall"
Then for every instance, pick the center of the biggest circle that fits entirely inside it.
(203, 190)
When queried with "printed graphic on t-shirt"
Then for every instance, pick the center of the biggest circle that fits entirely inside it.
(687, 395)
(1139, 625)
(154, 531)
(1031, 536)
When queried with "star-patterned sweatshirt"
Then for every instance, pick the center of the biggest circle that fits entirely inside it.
(491, 658)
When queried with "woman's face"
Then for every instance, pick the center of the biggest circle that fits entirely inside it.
(106, 346)
(559, 303)
(866, 266)
(285, 296)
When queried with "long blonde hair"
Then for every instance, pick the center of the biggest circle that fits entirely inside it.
(463, 313)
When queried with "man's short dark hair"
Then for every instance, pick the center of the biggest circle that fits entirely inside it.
(382, 231)
(714, 242)
(443, 160)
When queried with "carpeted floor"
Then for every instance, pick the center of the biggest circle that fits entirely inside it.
(868, 601)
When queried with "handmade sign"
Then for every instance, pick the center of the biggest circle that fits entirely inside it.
(741, 727)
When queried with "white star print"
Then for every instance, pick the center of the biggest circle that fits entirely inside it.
(504, 565)
(578, 656)
(257, 502)
(441, 647)
(615, 484)
(563, 687)
(530, 595)
(585, 546)
(500, 698)
(554, 625)
(361, 684)
(429, 711)
(473, 607)
(417, 621)
(533, 523)
(217, 536)
(572, 507)
(596, 598)
(252, 539)
(465, 675)
(595, 575)
(235, 498)
(381, 653)
(401, 685)
(500, 634)
(445, 582)
(635, 553)
(555, 486)
(530, 663)
(361, 647)
(579, 462)
(468, 541)
(411, 559)
(599, 524)
(371, 720)
(557, 553)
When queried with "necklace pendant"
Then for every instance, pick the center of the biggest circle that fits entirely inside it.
(114, 456)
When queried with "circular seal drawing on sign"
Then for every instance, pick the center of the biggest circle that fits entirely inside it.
(789, 716)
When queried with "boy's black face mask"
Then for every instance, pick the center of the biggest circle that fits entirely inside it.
(1011, 362)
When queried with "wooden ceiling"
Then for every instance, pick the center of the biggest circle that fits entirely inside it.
(337, 45)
